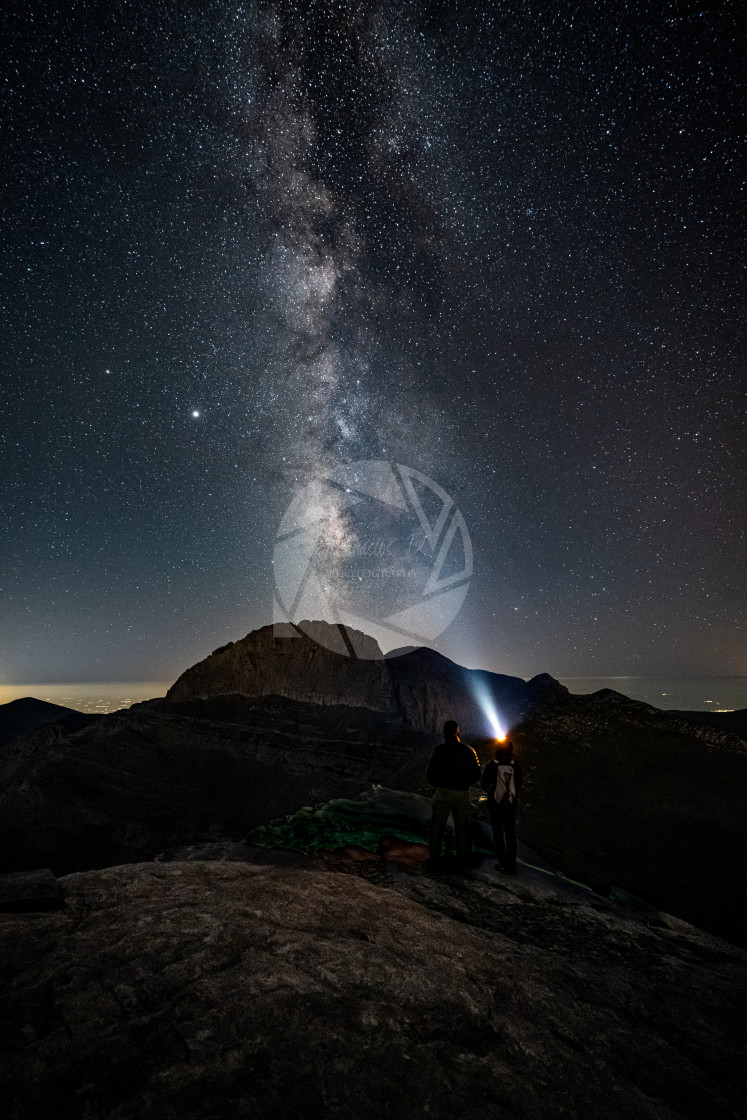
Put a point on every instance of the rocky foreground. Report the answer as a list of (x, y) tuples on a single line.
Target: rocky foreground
[(231, 989)]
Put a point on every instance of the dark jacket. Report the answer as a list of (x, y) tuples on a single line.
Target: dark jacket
[(453, 765), (490, 777)]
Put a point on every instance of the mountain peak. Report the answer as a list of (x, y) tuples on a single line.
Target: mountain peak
[(321, 663)]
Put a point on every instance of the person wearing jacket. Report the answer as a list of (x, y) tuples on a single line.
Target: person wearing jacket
[(504, 774), (453, 768)]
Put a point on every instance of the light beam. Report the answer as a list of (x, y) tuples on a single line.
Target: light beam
[(487, 703)]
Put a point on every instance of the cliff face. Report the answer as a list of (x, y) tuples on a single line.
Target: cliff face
[(429, 689), (421, 687), (295, 666)]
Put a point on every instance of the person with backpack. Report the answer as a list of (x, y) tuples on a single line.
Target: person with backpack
[(453, 768), (501, 780)]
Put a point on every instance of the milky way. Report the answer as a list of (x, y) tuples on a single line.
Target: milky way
[(498, 244)]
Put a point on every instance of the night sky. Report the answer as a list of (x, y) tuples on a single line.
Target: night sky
[(500, 244)]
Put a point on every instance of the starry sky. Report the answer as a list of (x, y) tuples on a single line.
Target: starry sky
[(500, 244)]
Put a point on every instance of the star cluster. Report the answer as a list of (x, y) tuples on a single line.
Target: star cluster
[(497, 243)]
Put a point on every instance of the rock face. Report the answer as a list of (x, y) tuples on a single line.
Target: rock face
[(295, 666), (618, 792), (422, 688), (208, 990), (429, 689)]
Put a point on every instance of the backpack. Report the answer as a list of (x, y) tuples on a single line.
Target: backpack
[(505, 787)]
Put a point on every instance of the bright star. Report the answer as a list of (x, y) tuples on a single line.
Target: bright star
[(195, 414)]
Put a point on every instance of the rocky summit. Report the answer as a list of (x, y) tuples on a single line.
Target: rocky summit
[(285, 661), (356, 987)]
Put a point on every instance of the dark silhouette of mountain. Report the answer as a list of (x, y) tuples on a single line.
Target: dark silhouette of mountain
[(735, 723), (21, 716)]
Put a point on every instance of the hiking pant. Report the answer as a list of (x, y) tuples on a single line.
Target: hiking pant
[(456, 803), (503, 820)]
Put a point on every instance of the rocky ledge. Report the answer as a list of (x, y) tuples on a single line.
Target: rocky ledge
[(209, 990)]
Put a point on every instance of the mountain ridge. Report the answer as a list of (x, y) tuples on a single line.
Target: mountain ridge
[(421, 686)]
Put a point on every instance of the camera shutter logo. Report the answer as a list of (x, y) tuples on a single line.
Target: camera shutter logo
[(315, 519)]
